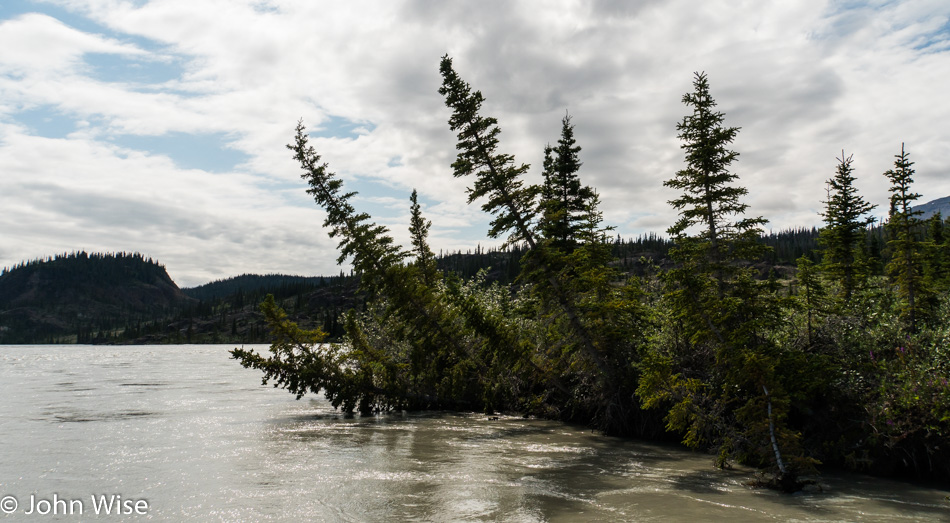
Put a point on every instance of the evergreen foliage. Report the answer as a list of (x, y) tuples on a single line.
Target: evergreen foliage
[(249, 284), (812, 298), (497, 177), (904, 228), (710, 199), (410, 337), (714, 368), (937, 254), (367, 243), (565, 204), (419, 232), (843, 237)]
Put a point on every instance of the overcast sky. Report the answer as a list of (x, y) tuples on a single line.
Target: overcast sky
[(159, 126)]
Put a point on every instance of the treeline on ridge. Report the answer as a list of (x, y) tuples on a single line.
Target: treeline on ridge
[(226, 310)]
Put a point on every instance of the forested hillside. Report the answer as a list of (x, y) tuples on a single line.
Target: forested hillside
[(250, 284), (126, 298), (840, 359), (76, 295)]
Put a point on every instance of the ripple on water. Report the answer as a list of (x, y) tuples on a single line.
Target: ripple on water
[(102, 416)]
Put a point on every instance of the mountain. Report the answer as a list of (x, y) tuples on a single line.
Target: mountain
[(941, 205), (74, 294)]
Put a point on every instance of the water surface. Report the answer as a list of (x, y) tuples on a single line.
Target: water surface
[(196, 435)]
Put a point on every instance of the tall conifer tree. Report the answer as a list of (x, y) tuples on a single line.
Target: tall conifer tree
[(710, 199), (937, 265), (843, 237), (721, 374), (903, 226), (564, 201), (419, 233)]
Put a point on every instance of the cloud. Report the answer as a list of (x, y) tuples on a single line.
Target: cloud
[(37, 43), (67, 194)]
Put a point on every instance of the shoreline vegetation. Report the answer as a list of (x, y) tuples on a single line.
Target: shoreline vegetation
[(785, 352), (846, 364)]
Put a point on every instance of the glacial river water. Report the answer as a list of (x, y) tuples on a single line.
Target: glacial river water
[(184, 433)]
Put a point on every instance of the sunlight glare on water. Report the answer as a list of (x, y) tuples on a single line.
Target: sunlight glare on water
[(195, 435)]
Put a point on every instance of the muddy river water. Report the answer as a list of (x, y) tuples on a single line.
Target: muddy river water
[(169, 433)]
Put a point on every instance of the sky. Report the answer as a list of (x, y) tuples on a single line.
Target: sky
[(160, 126)]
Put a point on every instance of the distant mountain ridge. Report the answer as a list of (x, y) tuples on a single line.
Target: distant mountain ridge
[(941, 205)]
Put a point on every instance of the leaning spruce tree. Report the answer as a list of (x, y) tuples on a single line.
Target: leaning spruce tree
[(578, 295), (498, 180), (420, 353), (497, 176)]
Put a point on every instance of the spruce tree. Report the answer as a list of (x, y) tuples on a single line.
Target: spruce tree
[(709, 198), (710, 202), (717, 369), (369, 245), (411, 348), (419, 232), (564, 201), (811, 294), (937, 260), (497, 177), (843, 237), (903, 226)]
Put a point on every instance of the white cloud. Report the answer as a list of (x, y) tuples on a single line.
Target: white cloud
[(66, 194), (37, 43)]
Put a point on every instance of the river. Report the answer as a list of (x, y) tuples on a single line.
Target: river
[(169, 433)]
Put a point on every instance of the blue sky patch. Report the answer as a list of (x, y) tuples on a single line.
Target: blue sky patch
[(122, 69), (208, 152), (46, 122), (339, 127), (13, 9), (380, 200), (936, 41)]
